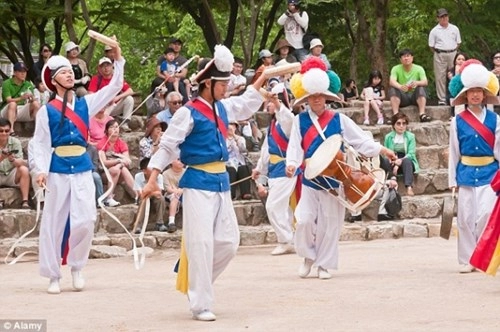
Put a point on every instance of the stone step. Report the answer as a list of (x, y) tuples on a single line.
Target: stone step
[(116, 245)]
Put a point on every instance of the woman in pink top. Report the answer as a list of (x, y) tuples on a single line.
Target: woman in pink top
[(114, 152), (97, 126)]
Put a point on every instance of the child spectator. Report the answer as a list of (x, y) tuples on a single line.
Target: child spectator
[(171, 178), (41, 94), (373, 95), (168, 68), (157, 201)]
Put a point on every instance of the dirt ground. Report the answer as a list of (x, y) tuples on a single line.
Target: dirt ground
[(383, 285)]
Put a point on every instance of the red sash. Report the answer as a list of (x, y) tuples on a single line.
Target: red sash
[(280, 141), (482, 130), (73, 117), (312, 132), (209, 114)]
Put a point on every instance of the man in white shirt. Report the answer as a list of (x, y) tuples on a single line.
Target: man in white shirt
[(444, 40), (295, 23)]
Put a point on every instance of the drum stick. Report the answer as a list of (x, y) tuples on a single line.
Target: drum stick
[(281, 70), (102, 38)]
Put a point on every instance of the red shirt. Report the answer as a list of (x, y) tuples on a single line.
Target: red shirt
[(119, 147), (94, 86)]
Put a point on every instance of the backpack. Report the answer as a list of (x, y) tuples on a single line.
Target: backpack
[(394, 203)]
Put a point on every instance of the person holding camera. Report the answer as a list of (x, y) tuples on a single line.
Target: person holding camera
[(19, 103), (13, 168), (295, 23)]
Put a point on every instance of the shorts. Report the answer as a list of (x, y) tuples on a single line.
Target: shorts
[(23, 113), (9, 180), (407, 98)]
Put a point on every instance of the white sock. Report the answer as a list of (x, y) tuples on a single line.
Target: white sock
[(171, 220)]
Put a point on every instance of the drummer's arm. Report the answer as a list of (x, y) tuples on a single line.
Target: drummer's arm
[(294, 152), (244, 106), (285, 118)]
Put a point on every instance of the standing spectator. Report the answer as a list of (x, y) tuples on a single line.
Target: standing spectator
[(474, 157), (319, 214), (236, 165), (148, 145), (19, 103), (404, 145), (284, 51), (157, 201), (373, 94), (123, 102), (316, 49), (460, 58), (266, 61), (210, 229), (82, 76), (408, 82), (13, 168), (171, 179), (237, 82), (44, 55), (174, 102), (295, 23), (97, 125), (114, 152), (444, 40)]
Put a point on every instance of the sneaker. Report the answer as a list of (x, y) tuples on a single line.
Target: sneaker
[(283, 249), (353, 219), (110, 202), (305, 268), (205, 316), (54, 287), (171, 228), (466, 268), (161, 228), (78, 281), (323, 273), (442, 103), (125, 128), (380, 121), (366, 122)]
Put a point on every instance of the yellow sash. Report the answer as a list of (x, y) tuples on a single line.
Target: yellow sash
[(213, 167), (477, 161), (274, 158), (69, 150)]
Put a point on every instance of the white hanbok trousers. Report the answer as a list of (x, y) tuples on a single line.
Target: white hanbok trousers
[(278, 208)]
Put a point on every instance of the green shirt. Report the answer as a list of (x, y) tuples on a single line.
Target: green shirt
[(12, 144), (416, 73), (12, 90)]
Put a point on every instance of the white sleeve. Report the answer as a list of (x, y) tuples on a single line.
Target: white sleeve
[(302, 20), (357, 138), (295, 153), (42, 142), (240, 108), (96, 101), (282, 19), (285, 119), (179, 128), (454, 154), (263, 162)]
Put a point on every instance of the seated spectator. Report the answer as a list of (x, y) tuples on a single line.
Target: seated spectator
[(373, 94), (18, 102), (41, 93), (495, 61), (265, 61), (39, 194), (123, 102), (459, 59), (157, 201), (316, 49), (250, 131), (284, 51), (236, 165), (114, 152), (99, 187), (174, 102), (408, 82), (403, 143), (158, 103), (109, 53), (148, 145), (171, 178), (82, 76), (97, 125), (44, 55), (237, 82), (13, 168), (350, 91)]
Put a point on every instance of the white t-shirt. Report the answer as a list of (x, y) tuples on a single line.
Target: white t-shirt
[(140, 181), (445, 39)]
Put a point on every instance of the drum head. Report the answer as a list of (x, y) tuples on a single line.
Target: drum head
[(323, 156)]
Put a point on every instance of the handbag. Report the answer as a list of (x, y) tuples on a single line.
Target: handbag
[(394, 203)]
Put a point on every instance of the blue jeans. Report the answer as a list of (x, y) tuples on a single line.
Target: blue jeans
[(99, 188)]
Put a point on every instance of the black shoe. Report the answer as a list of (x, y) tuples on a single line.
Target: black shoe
[(384, 217), (171, 228), (353, 219), (161, 228)]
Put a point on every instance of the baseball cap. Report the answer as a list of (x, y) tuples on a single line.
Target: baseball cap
[(20, 66), (174, 40), (315, 42), (104, 60), (442, 12), (107, 48), (265, 54), (294, 2)]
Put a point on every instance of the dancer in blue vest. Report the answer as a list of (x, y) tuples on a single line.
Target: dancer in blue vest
[(474, 155), (197, 133), (64, 167), (272, 163), (319, 214)]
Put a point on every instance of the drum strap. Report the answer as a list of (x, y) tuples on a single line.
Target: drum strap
[(314, 119)]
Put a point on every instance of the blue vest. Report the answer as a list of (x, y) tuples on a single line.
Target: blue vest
[(332, 128), (473, 145), (205, 144), (277, 170), (68, 134)]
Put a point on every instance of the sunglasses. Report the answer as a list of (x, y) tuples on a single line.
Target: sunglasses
[(176, 102), (401, 123), (4, 130)]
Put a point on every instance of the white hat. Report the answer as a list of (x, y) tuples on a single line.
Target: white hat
[(265, 54), (107, 48), (71, 45), (53, 66), (315, 42), (105, 60), (475, 75)]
